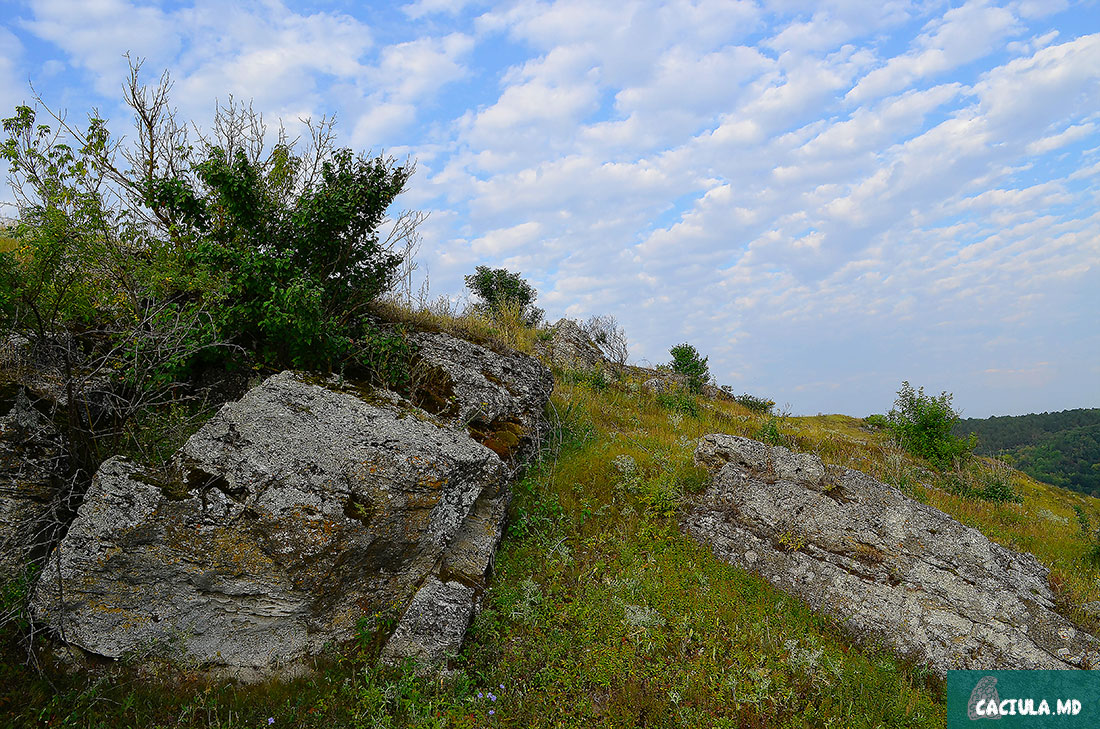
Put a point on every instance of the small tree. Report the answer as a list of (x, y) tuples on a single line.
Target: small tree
[(687, 362), (131, 263), (610, 338), (921, 424), (500, 289)]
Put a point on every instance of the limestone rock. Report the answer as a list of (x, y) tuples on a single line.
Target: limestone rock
[(299, 509), (434, 624), (499, 396), (38, 367), (570, 347), (658, 385), (32, 490), (886, 566)]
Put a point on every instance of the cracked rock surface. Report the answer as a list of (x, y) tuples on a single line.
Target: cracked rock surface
[(886, 566), (297, 511)]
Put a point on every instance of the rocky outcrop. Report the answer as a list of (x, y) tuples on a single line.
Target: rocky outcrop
[(297, 511), (570, 347), (33, 464), (499, 396), (38, 367), (886, 566)]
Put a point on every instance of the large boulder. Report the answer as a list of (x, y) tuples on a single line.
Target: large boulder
[(297, 511), (888, 567)]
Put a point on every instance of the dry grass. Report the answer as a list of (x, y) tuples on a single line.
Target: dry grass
[(506, 330)]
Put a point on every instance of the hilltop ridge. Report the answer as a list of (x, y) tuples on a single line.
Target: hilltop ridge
[(601, 611)]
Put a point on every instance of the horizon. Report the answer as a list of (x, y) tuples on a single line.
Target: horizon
[(825, 198)]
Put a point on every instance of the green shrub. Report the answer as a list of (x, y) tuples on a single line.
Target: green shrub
[(769, 433), (279, 247), (499, 288), (921, 424), (679, 401), (877, 421), (594, 379), (755, 404), (687, 362), (980, 480), (1091, 537), (387, 355)]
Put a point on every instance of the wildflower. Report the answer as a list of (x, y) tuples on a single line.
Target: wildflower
[(625, 465), (491, 712), (270, 720), (492, 697), (480, 695)]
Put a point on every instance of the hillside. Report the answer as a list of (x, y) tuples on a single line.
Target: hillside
[(1060, 448), (245, 481), (601, 612)]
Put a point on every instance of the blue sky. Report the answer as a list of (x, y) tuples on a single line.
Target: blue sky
[(827, 198)]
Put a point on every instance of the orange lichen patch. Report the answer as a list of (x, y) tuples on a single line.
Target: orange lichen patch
[(503, 437), (226, 549), (430, 483)]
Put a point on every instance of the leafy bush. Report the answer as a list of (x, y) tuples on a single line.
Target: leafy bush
[(687, 362), (679, 401), (921, 424), (140, 263), (755, 404), (499, 288), (769, 433), (595, 378), (993, 482), (877, 421), (1091, 536)]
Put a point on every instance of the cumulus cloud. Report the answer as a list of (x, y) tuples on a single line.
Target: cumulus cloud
[(827, 197), (962, 35)]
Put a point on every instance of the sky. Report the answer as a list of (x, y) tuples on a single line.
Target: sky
[(825, 198)]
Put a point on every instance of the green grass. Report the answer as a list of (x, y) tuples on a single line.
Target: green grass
[(601, 613)]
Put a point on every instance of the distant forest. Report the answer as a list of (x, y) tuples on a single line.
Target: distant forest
[(1059, 448)]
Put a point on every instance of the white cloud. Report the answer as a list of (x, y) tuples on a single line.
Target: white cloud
[(506, 240), (1061, 139), (95, 37), (963, 35), (820, 194)]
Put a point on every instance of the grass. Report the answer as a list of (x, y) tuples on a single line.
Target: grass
[(601, 613), (507, 330)]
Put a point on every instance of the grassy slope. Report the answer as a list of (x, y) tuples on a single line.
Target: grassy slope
[(601, 613)]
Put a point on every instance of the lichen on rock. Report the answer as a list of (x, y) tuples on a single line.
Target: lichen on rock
[(296, 511), (889, 568)]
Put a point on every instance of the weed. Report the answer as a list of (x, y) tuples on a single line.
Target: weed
[(769, 433), (679, 401)]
